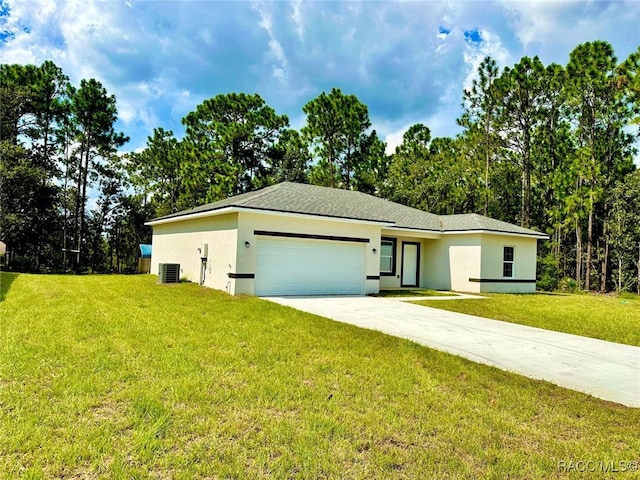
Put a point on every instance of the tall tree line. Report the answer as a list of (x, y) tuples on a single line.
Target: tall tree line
[(58, 151), (567, 133), (549, 147)]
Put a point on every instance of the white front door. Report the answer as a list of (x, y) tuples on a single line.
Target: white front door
[(410, 261), (292, 266)]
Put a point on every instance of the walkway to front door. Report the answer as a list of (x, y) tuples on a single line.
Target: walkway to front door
[(606, 370)]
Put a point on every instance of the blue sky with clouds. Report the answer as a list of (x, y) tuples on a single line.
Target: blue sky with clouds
[(408, 61)]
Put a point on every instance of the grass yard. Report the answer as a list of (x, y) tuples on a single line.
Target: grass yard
[(598, 316), (118, 377)]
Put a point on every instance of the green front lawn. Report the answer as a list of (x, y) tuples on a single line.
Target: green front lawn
[(598, 316), (118, 377)]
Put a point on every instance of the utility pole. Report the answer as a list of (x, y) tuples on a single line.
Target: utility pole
[(639, 269)]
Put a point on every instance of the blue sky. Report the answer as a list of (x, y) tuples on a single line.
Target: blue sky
[(407, 61)]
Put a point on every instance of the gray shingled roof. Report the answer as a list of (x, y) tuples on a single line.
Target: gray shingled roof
[(331, 202), (473, 221)]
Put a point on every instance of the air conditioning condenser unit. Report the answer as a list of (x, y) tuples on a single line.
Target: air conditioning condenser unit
[(169, 273)]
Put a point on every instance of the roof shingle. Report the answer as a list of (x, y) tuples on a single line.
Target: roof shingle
[(331, 202)]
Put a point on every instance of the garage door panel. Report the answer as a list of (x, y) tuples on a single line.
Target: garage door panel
[(308, 267)]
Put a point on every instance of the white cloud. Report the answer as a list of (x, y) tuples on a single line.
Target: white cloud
[(280, 62), (298, 19), (536, 20), (474, 54), (23, 23), (408, 61), (394, 139), (441, 124), (552, 29)]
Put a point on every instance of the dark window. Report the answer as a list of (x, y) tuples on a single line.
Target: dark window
[(507, 262), (388, 256)]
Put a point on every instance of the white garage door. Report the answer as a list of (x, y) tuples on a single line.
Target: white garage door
[(309, 267)]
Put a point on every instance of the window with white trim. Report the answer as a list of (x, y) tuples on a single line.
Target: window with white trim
[(507, 262), (388, 256)]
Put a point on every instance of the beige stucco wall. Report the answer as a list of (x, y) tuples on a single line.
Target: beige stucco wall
[(464, 258), (249, 222), (178, 242), (446, 263), (436, 272), (524, 265), (450, 262)]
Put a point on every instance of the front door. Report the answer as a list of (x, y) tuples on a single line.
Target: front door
[(410, 264)]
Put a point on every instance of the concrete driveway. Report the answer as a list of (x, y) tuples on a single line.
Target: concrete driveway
[(606, 370)]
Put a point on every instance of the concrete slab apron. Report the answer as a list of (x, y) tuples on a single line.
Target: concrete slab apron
[(606, 370)]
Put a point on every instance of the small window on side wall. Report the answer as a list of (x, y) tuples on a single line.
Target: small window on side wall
[(388, 256), (507, 262)]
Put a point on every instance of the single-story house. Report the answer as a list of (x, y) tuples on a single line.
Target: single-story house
[(295, 239)]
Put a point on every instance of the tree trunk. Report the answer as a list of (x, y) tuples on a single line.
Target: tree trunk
[(605, 267), (83, 201), (619, 274), (587, 273), (486, 175), (578, 255), (332, 165), (76, 220), (110, 255), (556, 247), (65, 197), (525, 214)]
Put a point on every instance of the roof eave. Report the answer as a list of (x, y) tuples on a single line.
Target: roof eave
[(538, 235), (421, 232), (316, 216), (265, 211), (190, 216)]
